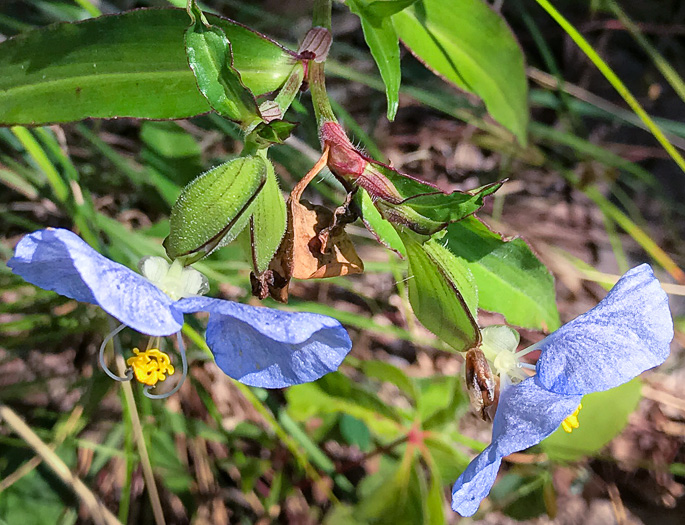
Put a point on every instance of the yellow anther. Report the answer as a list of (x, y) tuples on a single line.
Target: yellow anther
[(571, 422), (150, 366)]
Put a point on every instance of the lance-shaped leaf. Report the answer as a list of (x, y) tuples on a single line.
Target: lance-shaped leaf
[(211, 58), (442, 292), (382, 40), (213, 209), (401, 199), (128, 65), (469, 44)]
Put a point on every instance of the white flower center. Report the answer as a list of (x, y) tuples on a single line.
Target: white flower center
[(499, 347), (173, 279)]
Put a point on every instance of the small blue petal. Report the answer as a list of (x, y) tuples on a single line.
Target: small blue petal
[(527, 413), (475, 483), (270, 348), (58, 260), (628, 332)]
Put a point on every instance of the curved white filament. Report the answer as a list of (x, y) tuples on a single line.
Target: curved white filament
[(103, 365)]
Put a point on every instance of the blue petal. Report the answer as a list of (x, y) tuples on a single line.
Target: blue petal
[(527, 413), (475, 483), (270, 348), (58, 260), (628, 332)]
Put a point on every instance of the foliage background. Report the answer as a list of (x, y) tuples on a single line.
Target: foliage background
[(593, 194)]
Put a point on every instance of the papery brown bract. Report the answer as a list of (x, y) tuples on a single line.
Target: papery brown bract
[(315, 245)]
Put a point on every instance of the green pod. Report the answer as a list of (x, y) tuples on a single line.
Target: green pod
[(213, 209)]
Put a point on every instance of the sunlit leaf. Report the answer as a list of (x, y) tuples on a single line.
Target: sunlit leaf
[(469, 44), (381, 38), (68, 72), (603, 417), (511, 279)]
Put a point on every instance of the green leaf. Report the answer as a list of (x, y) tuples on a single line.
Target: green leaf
[(521, 497), (336, 394), (268, 221), (437, 394), (376, 224), (386, 372), (170, 140), (510, 278), (166, 461), (381, 8), (355, 432), (213, 209), (603, 417), (68, 72), (381, 38), (170, 155), (38, 496), (442, 292), (342, 515), (398, 499), (274, 132), (469, 44), (435, 502), (211, 58), (448, 460)]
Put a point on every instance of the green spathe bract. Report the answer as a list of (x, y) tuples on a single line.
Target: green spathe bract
[(442, 292), (267, 223), (213, 209)]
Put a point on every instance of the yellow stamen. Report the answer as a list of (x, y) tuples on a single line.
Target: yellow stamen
[(150, 366), (571, 422)]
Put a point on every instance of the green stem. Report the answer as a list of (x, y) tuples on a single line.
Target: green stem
[(139, 438), (613, 79), (317, 86), (317, 80), (290, 89), (321, 16)]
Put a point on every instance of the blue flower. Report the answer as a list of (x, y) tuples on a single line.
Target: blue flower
[(257, 346), (628, 332)]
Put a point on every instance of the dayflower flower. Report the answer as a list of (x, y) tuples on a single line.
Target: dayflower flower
[(254, 345), (628, 332)]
